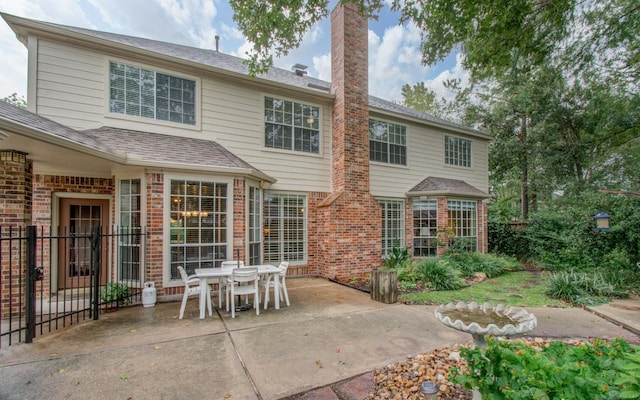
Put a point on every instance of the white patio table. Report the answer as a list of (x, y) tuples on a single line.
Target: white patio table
[(205, 273)]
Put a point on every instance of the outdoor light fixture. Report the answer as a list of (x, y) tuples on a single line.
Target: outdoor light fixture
[(310, 120), (602, 222), (429, 390)]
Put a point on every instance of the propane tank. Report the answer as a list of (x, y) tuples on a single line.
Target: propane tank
[(149, 294)]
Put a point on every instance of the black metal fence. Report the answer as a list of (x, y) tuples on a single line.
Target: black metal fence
[(52, 280)]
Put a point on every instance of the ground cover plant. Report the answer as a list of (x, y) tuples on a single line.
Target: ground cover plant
[(519, 370)]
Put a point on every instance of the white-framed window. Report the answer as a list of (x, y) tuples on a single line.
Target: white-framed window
[(130, 265), (463, 222), (290, 125), (146, 93), (425, 228), (255, 225), (285, 227), (199, 219), (457, 151), (392, 224), (387, 142)]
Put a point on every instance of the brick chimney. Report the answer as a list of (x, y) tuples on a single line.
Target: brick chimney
[(351, 241)]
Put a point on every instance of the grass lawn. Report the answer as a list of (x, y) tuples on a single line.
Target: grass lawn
[(518, 289)]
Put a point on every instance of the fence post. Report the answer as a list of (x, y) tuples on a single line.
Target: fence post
[(96, 243), (30, 277)]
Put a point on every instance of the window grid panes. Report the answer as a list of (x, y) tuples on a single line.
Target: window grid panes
[(392, 225), (291, 126), (198, 222), (285, 228), (150, 94), (387, 142), (463, 223), (129, 252), (425, 228), (255, 225), (457, 151)]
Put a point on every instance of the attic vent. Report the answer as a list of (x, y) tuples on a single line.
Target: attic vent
[(299, 69)]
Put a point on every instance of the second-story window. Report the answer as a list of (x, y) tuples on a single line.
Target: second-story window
[(457, 151), (150, 94), (387, 142), (291, 126)]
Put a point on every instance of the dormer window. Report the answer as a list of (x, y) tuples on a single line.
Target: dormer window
[(145, 93)]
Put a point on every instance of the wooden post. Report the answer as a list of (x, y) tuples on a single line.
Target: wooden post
[(384, 285)]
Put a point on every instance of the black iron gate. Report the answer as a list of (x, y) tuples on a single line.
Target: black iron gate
[(33, 263)]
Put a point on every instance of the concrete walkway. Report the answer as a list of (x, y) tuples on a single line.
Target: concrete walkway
[(331, 333)]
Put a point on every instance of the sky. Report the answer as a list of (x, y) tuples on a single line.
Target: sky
[(394, 53)]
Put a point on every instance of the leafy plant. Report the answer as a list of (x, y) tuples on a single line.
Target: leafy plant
[(516, 370), (440, 274), (397, 257), (629, 375), (580, 288), (114, 291)]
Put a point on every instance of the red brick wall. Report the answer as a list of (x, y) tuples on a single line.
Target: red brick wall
[(16, 204), (239, 220)]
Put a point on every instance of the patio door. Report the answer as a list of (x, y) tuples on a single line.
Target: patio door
[(77, 218)]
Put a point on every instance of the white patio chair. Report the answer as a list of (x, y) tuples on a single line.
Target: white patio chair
[(268, 284), (243, 282), (192, 288), (222, 282)]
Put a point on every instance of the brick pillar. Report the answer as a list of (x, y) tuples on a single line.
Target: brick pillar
[(239, 220), (443, 225), (15, 214), (155, 231), (350, 216)]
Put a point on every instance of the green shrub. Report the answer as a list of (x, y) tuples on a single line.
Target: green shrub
[(410, 274), (491, 265), (516, 370), (505, 240), (440, 274), (582, 288), (398, 257)]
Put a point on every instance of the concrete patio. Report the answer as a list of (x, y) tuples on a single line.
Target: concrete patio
[(329, 334)]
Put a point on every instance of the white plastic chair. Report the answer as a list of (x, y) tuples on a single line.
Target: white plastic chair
[(222, 282), (192, 288), (240, 285), (268, 283)]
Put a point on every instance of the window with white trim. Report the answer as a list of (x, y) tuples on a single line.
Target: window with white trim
[(129, 244), (425, 228), (387, 142), (198, 225), (463, 222), (145, 93), (285, 227), (392, 225), (290, 125), (457, 151)]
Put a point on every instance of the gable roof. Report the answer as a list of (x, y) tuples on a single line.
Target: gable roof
[(433, 186), (222, 63), (127, 147)]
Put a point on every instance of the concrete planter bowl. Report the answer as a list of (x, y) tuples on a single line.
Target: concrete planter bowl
[(479, 320)]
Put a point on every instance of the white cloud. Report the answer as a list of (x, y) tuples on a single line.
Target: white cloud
[(322, 66), (457, 72)]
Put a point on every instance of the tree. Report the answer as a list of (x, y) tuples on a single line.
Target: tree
[(15, 100)]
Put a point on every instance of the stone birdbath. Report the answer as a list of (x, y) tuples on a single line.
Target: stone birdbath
[(486, 319)]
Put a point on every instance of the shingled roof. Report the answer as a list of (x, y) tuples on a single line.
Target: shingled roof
[(433, 186), (127, 147)]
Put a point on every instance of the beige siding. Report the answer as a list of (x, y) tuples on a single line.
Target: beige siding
[(72, 89), (425, 157), (70, 85), (234, 116)]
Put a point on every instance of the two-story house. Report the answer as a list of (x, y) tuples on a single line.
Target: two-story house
[(212, 164)]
